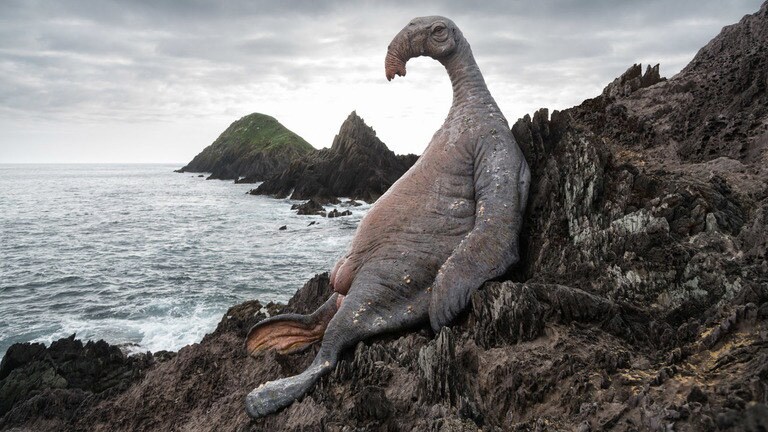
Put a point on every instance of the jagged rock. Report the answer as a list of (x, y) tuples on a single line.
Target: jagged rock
[(633, 79), (714, 111), (251, 149), (310, 207), (62, 377), (283, 228), (631, 218), (437, 371), (336, 213), (358, 165)]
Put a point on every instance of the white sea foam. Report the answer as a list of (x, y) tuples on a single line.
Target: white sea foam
[(153, 334)]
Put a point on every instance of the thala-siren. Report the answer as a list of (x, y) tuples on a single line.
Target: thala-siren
[(447, 225)]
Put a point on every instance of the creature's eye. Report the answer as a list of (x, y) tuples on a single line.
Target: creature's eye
[(439, 33)]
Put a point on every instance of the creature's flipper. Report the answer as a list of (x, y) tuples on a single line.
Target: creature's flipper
[(501, 191), (275, 395), (291, 333), (448, 301)]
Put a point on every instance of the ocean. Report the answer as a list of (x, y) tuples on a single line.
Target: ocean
[(144, 257)]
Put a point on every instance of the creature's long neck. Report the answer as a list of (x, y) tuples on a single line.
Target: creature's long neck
[(470, 94)]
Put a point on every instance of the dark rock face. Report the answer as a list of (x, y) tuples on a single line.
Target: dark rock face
[(255, 147), (640, 303), (714, 108), (631, 80), (358, 165), (654, 237), (39, 384), (310, 207), (335, 213)]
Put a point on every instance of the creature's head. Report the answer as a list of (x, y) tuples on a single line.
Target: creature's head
[(433, 36)]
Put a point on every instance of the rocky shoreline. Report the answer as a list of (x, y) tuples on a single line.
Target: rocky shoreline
[(640, 302), (527, 356)]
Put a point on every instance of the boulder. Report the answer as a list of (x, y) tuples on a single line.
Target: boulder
[(311, 207), (336, 213)]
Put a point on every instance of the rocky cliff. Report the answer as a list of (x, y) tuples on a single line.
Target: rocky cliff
[(640, 303), (255, 147), (358, 165)]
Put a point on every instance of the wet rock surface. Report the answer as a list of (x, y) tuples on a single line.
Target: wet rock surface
[(311, 207), (358, 166), (336, 213), (640, 303)]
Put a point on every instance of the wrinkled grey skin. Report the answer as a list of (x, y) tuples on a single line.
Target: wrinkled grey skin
[(446, 226)]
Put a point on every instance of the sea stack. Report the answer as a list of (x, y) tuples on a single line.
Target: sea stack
[(358, 166)]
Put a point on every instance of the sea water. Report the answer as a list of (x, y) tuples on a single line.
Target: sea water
[(144, 257)]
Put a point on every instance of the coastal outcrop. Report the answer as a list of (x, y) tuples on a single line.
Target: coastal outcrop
[(311, 207), (358, 166), (251, 149), (640, 302), (40, 386)]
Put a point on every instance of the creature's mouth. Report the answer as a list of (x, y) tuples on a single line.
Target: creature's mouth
[(393, 65)]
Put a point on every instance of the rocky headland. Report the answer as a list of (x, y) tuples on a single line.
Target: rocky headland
[(640, 302), (358, 166), (253, 148)]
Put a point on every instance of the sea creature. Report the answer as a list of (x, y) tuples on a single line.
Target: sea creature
[(446, 226)]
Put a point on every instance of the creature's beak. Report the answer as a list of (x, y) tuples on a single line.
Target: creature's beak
[(393, 65), (398, 53)]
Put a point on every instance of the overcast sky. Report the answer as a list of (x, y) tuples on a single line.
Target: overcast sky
[(158, 80)]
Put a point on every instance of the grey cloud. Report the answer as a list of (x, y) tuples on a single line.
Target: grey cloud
[(165, 58)]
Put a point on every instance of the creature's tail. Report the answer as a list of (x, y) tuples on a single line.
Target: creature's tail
[(291, 333), (356, 320)]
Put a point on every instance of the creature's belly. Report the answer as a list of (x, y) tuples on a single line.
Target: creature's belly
[(413, 229)]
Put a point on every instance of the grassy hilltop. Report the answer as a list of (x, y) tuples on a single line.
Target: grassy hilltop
[(256, 146)]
